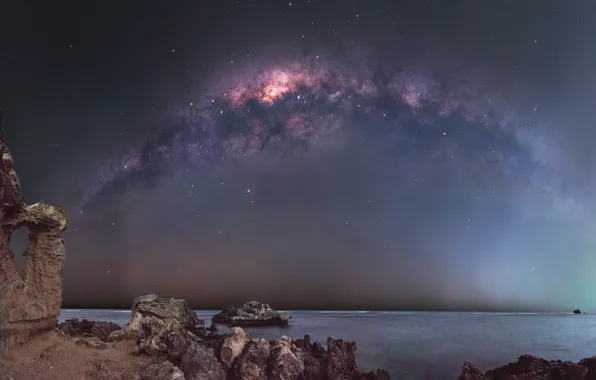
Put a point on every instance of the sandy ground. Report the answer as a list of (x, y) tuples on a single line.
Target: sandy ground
[(52, 356)]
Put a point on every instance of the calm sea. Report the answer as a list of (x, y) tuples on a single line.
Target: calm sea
[(426, 346)]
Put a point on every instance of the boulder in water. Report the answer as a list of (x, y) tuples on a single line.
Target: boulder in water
[(252, 313)]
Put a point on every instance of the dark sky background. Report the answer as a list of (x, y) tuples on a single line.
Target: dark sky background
[(311, 154)]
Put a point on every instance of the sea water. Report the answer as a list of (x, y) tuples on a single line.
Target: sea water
[(425, 345)]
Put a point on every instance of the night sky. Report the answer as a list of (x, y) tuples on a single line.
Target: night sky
[(311, 154)]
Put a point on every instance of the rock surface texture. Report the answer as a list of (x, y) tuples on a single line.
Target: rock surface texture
[(150, 313), (529, 367), (88, 329), (29, 301), (252, 313)]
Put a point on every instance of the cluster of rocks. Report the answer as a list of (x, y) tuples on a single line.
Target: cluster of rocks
[(92, 334), (168, 329), (252, 313), (529, 367)]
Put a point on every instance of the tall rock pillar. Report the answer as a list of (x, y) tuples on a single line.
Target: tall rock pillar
[(29, 302)]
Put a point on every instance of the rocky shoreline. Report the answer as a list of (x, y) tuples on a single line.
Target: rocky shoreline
[(168, 331)]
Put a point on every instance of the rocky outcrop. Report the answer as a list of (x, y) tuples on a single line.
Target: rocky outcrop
[(150, 314), (170, 333), (252, 364), (470, 372), (252, 313), (171, 342), (286, 361), (87, 329), (529, 367), (199, 363), (233, 345), (29, 302)]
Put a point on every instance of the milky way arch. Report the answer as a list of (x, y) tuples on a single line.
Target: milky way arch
[(290, 107)]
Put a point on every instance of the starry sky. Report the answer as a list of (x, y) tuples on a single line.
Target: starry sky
[(427, 155)]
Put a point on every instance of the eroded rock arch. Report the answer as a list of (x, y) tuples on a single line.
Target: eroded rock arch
[(31, 302)]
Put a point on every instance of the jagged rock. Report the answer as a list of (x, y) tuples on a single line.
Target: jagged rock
[(470, 372), (212, 328), (590, 364), (163, 371), (252, 313), (171, 341), (86, 328), (31, 302), (315, 362), (215, 342), (341, 359), (199, 363), (92, 342), (233, 345), (150, 313), (252, 364), (285, 363), (529, 367)]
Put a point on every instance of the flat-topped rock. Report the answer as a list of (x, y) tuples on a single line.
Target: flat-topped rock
[(252, 313)]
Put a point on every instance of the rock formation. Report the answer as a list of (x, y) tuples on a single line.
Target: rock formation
[(30, 302), (252, 313), (166, 329), (529, 367), (150, 313), (577, 311), (88, 329)]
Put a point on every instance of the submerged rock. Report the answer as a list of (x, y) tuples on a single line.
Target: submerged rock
[(29, 302), (252, 313)]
